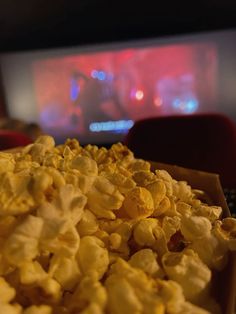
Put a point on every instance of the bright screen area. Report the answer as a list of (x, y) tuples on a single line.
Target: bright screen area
[(96, 96)]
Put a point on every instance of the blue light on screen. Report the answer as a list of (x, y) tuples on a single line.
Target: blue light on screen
[(186, 106), (74, 90), (108, 126)]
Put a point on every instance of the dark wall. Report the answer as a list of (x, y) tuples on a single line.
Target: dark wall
[(33, 24)]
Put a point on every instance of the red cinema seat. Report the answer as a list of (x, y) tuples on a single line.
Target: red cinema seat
[(201, 141), (11, 139)]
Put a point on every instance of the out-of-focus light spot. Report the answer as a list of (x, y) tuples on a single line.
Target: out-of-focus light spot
[(101, 75), (74, 90), (191, 106), (108, 126), (94, 73), (139, 94), (186, 106), (158, 101), (176, 103)]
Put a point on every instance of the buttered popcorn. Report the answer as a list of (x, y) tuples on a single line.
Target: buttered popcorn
[(93, 230)]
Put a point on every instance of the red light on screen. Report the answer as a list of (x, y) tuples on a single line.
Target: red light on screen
[(158, 101), (139, 94)]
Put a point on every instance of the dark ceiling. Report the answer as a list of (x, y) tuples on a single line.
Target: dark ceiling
[(26, 25)]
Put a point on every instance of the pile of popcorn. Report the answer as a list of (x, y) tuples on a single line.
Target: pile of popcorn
[(93, 230)]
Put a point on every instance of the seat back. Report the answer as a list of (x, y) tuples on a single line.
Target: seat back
[(200, 141), (11, 139)]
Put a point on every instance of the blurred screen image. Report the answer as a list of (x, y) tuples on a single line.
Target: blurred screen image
[(99, 95)]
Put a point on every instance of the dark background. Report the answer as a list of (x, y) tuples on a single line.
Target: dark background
[(34, 24)]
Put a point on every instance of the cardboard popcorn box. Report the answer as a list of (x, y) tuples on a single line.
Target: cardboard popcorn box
[(225, 281)]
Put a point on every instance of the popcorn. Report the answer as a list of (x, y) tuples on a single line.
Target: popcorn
[(41, 309), (7, 293), (7, 162), (15, 197), (125, 291), (90, 294), (226, 232), (93, 230), (104, 198), (23, 243), (92, 256), (31, 273), (172, 295), (138, 203), (148, 233), (88, 223), (170, 226), (190, 272), (195, 227), (146, 260), (65, 270), (10, 308)]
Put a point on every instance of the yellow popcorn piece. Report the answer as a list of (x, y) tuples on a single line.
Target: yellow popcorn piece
[(85, 166), (183, 208), (182, 191), (52, 160), (144, 232), (158, 191), (172, 295), (92, 309), (140, 165), (163, 207), (90, 294), (88, 223), (143, 178), (15, 197), (7, 293), (38, 309), (23, 243), (100, 155), (125, 291), (67, 204), (31, 273), (122, 182), (104, 198), (146, 260), (46, 140), (148, 233), (39, 148), (213, 253), (10, 308), (163, 175), (188, 270), (170, 226), (122, 297), (83, 170), (225, 230), (52, 290), (138, 203), (64, 241), (210, 212), (65, 270), (119, 152), (7, 162), (25, 167), (195, 227), (115, 240), (92, 256)]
